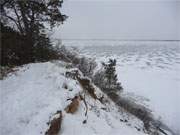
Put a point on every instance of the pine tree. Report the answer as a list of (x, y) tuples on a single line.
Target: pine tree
[(30, 19), (111, 76)]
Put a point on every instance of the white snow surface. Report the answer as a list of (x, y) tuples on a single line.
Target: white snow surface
[(148, 70), (33, 94)]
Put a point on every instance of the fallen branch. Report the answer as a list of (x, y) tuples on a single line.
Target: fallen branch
[(84, 100)]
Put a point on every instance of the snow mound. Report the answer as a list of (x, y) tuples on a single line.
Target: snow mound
[(32, 96)]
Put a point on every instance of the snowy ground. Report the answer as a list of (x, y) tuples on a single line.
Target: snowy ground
[(149, 71), (30, 96)]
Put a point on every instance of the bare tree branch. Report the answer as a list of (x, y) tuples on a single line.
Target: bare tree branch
[(12, 19), (18, 20)]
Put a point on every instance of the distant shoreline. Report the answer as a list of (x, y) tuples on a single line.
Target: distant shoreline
[(148, 40)]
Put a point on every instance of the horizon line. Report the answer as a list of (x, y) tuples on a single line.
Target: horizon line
[(170, 40)]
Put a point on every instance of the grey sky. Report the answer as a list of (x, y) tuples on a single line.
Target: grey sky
[(131, 19)]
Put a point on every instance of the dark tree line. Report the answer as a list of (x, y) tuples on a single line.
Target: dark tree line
[(23, 26)]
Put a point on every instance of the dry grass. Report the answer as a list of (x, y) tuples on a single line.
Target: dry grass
[(86, 85), (74, 105), (55, 125)]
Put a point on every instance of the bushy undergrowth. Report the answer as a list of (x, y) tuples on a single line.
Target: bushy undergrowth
[(105, 78), (87, 66), (84, 64)]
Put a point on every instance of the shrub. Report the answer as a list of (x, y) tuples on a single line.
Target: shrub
[(68, 55), (99, 79), (87, 66), (106, 78)]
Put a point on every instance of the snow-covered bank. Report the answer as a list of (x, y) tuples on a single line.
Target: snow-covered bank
[(148, 71), (35, 92)]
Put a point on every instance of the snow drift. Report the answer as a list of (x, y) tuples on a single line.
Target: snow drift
[(33, 94)]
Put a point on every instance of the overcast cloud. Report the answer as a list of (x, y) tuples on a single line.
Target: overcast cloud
[(131, 19)]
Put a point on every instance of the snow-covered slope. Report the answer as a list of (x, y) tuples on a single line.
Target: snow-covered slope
[(35, 92)]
